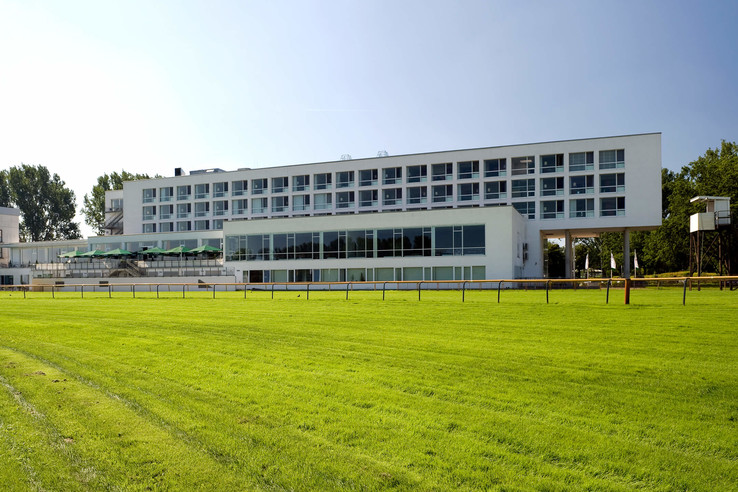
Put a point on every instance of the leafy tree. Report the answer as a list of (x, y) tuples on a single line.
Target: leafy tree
[(4, 189), (94, 202), (46, 205)]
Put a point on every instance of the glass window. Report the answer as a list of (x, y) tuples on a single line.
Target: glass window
[(149, 212), (553, 209), (323, 201), (202, 190), (280, 184), (259, 205), (345, 199), (149, 195), (368, 198), (202, 225), (579, 185), (220, 189), (443, 193), (116, 204), (392, 196), (552, 163), (495, 167), (612, 206), (166, 211), (417, 174), (149, 228), (416, 241), (301, 182), (468, 169), (581, 161), (495, 190), (360, 244), (417, 194), (385, 243), (323, 181), (184, 210), (368, 177), (240, 206), (444, 243), (184, 192), (526, 209), (220, 207), (166, 227), (259, 186), (612, 183), (522, 188), (184, 225), (392, 175), (344, 179), (218, 224), (166, 194), (468, 192), (280, 204), (581, 207), (240, 187), (473, 240), (301, 202), (442, 172), (523, 165), (552, 186), (202, 209), (611, 159)]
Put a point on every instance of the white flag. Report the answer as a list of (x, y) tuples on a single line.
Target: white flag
[(635, 259), (586, 262), (612, 261)]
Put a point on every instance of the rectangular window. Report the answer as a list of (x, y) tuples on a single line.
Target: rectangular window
[(280, 204), (217, 224), (417, 241), (166, 211), (459, 240), (417, 174), (166, 227), (526, 209), (202, 225), (442, 172), (149, 195), (280, 184), (581, 161), (184, 210), (149, 212), (345, 199), (443, 193), (495, 167), (368, 198), (323, 201), (344, 179), (552, 163), (220, 189), (523, 188), (392, 196), (468, 192), (116, 204), (612, 206), (149, 228), (612, 159), (523, 165), (581, 185), (468, 169), (184, 192), (184, 225), (259, 205), (368, 177), (202, 209), (323, 181), (581, 207), (495, 190), (417, 194), (166, 194), (259, 186), (240, 187), (300, 202), (392, 175), (552, 186), (301, 182), (220, 207), (202, 191), (612, 183), (240, 206), (553, 209), (360, 244)]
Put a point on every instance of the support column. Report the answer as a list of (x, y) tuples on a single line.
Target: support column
[(567, 254), (626, 253)]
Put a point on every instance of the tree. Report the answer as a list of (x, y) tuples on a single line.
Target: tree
[(94, 202), (46, 205), (4, 189)]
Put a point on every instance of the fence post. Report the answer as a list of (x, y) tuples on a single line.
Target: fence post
[(684, 296), (499, 287), (347, 289), (463, 291), (384, 286), (548, 284), (24, 292), (157, 291), (307, 296), (53, 296), (419, 283), (244, 291), (133, 290), (110, 291), (82, 291), (213, 291), (607, 297), (183, 291), (272, 291)]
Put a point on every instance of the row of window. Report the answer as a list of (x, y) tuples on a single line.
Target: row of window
[(578, 207), (362, 243), (493, 190), (553, 163), (183, 226), (387, 274)]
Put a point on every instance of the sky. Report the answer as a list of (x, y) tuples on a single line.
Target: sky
[(92, 87)]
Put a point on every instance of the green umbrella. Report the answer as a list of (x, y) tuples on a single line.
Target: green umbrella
[(153, 251), (177, 251), (205, 248), (95, 252), (71, 254), (118, 252)]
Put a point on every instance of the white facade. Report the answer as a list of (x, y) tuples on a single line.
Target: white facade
[(9, 232)]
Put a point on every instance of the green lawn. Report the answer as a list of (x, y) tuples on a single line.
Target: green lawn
[(291, 393)]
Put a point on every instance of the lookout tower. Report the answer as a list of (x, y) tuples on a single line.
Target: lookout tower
[(711, 236)]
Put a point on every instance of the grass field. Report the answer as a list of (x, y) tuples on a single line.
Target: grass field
[(290, 393)]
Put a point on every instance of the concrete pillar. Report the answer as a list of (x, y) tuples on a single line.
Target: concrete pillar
[(567, 254), (626, 253)]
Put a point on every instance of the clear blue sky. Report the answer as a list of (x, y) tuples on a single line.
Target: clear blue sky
[(89, 87)]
